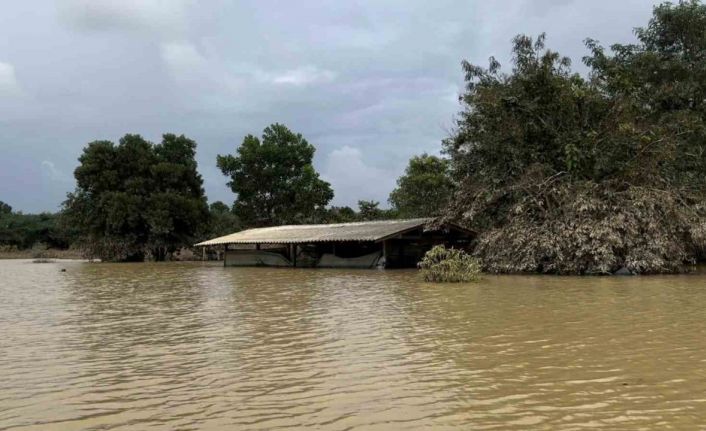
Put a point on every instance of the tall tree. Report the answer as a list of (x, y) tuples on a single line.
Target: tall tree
[(425, 188), (137, 198), (274, 179), (563, 174), (661, 83)]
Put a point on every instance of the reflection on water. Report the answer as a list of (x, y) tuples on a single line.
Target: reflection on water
[(194, 346)]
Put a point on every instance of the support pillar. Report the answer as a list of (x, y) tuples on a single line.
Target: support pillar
[(384, 252), (293, 254)]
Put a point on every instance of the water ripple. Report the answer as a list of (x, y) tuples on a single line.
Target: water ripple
[(197, 346)]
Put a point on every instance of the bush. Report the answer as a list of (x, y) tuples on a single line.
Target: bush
[(588, 228), (449, 265)]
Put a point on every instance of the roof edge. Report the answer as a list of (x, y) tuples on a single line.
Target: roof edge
[(222, 240)]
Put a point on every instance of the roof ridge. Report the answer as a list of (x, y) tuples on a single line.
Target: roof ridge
[(350, 223), (370, 230)]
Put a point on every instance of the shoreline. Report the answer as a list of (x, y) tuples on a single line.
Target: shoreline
[(44, 254)]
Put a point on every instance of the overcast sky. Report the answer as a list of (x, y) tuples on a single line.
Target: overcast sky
[(368, 83)]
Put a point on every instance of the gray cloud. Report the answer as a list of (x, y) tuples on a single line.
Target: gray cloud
[(165, 17), (368, 83), (9, 87)]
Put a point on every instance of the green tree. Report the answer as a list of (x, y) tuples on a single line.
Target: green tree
[(425, 188), (658, 86), (343, 214), (222, 220), (274, 179), (25, 230), (370, 211), (5, 208), (563, 174), (137, 198)]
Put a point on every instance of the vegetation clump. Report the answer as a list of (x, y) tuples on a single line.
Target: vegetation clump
[(560, 173), (449, 265)]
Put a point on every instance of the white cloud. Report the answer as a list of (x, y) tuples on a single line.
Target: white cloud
[(188, 67), (162, 16), (50, 171), (352, 179), (8, 81), (183, 57), (302, 76)]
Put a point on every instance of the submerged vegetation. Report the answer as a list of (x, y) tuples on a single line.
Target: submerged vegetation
[(449, 265), (564, 174)]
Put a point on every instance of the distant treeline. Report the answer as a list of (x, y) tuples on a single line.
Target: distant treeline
[(555, 172), (23, 231), (136, 199)]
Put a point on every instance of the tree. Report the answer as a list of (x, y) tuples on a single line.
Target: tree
[(425, 188), (222, 221), (5, 208), (26, 230), (137, 198), (563, 174), (370, 211), (274, 179), (659, 83), (343, 214)]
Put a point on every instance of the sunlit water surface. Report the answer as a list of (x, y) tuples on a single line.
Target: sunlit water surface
[(197, 346)]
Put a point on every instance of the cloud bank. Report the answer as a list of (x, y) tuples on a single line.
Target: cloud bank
[(368, 83)]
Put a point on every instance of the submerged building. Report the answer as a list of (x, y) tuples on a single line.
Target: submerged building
[(386, 244)]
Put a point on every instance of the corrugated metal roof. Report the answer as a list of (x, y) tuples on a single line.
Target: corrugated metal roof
[(310, 233)]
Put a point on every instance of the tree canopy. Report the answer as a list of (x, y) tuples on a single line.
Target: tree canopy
[(370, 211), (425, 188), (222, 221), (5, 208), (561, 173), (27, 230), (137, 198), (274, 179)]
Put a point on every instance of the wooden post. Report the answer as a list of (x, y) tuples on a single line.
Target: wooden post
[(203, 253), (384, 252), (257, 246), (293, 254)]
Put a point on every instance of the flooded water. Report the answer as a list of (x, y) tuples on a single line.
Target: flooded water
[(195, 346)]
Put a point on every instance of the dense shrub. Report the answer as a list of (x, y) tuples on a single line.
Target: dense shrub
[(441, 264), (594, 229)]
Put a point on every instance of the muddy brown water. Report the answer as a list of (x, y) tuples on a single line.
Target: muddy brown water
[(198, 346)]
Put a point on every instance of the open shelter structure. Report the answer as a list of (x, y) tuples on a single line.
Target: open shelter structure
[(370, 244)]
